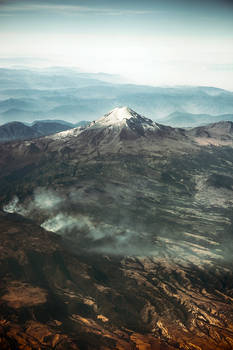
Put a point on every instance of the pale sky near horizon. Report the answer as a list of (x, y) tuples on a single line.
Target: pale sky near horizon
[(159, 42)]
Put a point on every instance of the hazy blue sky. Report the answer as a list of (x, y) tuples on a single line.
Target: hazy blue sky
[(163, 42)]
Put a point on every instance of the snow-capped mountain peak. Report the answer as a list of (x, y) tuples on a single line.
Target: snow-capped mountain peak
[(123, 116), (117, 116), (120, 118)]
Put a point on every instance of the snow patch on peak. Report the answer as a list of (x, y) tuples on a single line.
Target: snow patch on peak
[(66, 133), (118, 116), (121, 113)]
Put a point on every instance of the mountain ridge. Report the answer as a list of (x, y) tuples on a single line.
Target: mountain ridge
[(14, 131), (183, 119)]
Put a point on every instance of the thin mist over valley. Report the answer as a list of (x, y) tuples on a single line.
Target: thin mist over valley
[(28, 95)]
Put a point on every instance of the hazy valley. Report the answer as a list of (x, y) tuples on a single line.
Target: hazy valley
[(62, 93)]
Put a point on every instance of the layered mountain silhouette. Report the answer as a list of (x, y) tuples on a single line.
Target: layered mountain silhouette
[(118, 235), (68, 94), (182, 119)]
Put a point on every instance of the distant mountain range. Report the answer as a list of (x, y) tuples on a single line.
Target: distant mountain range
[(19, 131), (27, 95), (25, 131), (181, 119)]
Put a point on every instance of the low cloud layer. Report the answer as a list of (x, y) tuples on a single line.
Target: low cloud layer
[(53, 211), (63, 213), (42, 200)]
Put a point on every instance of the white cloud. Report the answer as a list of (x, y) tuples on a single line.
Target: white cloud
[(155, 60), (71, 10)]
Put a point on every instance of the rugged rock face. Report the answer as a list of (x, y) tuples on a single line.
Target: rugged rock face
[(140, 256)]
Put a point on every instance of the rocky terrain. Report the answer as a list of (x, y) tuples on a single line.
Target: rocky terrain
[(118, 235)]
